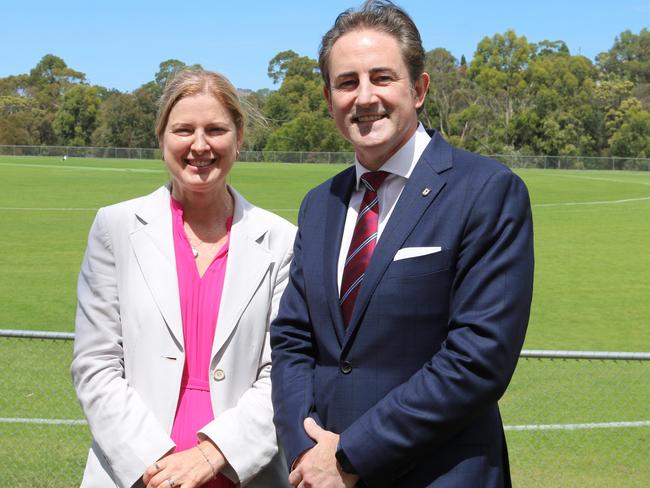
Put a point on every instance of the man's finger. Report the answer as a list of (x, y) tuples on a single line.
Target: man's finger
[(295, 477), (312, 428)]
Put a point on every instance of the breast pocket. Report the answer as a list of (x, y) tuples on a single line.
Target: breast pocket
[(420, 265)]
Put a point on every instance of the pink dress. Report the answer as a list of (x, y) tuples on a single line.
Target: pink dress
[(200, 298)]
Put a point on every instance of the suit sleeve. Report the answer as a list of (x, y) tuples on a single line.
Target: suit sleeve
[(245, 433), (127, 433), (488, 316), (293, 358)]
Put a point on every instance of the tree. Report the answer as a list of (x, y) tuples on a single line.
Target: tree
[(299, 119), (168, 69), (629, 57), (288, 63), (307, 132), (21, 127), (296, 95), (146, 98), (548, 48), (50, 79), (449, 92), (297, 113), (257, 127), (76, 119), (122, 123), (20, 116), (498, 69), (632, 138), (561, 115)]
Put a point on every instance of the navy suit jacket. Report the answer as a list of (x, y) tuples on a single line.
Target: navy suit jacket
[(412, 384)]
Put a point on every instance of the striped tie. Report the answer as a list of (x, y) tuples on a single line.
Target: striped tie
[(363, 243)]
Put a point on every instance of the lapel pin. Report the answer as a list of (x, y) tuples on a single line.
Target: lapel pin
[(426, 191)]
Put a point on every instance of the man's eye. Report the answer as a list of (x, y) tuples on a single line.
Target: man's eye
[(346, 84), (383, 79)]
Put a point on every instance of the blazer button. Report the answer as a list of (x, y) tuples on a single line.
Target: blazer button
[(219, 374), (346, 367)]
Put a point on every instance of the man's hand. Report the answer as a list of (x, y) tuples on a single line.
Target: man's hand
[(317, 467)]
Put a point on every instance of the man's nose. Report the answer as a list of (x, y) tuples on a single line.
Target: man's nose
[(366, 93)]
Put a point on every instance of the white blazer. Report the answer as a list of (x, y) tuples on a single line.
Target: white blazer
[(129, 354)]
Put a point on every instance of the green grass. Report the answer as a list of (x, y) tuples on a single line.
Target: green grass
[(591, 293)]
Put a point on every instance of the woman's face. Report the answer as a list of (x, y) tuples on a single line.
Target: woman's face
[(199, 144)]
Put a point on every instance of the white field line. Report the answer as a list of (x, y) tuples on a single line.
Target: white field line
[(136, 170), (42, 421), (50, 209), (538, 205), (594, 178), (82, 209), (84, 168), (601, 202), (601, 425)]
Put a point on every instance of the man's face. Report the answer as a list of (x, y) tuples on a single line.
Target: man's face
[(371, 97)]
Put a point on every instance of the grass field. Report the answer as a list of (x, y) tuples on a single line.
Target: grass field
[(592, 283)]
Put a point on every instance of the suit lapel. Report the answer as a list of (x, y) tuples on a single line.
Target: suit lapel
[(422, 188), (337, 205), (153, 247), (248, 262)]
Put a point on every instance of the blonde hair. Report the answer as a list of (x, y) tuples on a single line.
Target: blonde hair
[(190, 82)]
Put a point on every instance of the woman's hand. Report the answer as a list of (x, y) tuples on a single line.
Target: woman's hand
[(186, 469)]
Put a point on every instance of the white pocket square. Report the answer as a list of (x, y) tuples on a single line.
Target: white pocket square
[(414, 252)]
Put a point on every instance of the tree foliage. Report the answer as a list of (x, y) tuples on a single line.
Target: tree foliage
[(512, 96), (629, 57), (289, 63), (76, 119)]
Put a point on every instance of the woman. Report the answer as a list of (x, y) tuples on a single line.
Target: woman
[(175, 296)]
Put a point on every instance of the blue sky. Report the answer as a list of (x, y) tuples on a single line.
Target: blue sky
[(119, 44)]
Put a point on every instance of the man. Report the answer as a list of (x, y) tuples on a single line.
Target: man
[(410, 289)]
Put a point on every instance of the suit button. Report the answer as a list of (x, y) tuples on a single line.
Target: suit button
[(219, 374), (346, 367)]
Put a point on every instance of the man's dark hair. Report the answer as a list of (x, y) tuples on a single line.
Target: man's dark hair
[(383, 16)]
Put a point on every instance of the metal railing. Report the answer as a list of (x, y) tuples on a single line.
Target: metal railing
[(563, 412), (525, 353)]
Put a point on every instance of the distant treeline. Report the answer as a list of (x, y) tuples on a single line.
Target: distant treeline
[(512, 97)]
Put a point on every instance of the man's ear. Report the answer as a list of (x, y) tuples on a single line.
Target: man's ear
[(328, 97), (420, 89)]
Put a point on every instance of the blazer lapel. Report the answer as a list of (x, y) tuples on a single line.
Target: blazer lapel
[(248, 262), (153, 246), (337, 205), (424, 185)]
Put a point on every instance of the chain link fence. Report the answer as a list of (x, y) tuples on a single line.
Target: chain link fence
[(578, 422), (43, 438), (574, 162), (515, 161)]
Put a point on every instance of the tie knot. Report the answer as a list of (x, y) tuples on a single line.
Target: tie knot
[(374, 179)]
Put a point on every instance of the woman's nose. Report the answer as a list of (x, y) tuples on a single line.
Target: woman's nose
[(200, 143)]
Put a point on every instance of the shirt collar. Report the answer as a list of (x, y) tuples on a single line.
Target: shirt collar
[(404, 160)]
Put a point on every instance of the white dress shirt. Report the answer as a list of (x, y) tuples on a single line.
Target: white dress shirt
[(400, 166)]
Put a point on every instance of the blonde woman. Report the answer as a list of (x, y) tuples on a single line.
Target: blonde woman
[(175, 296)]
